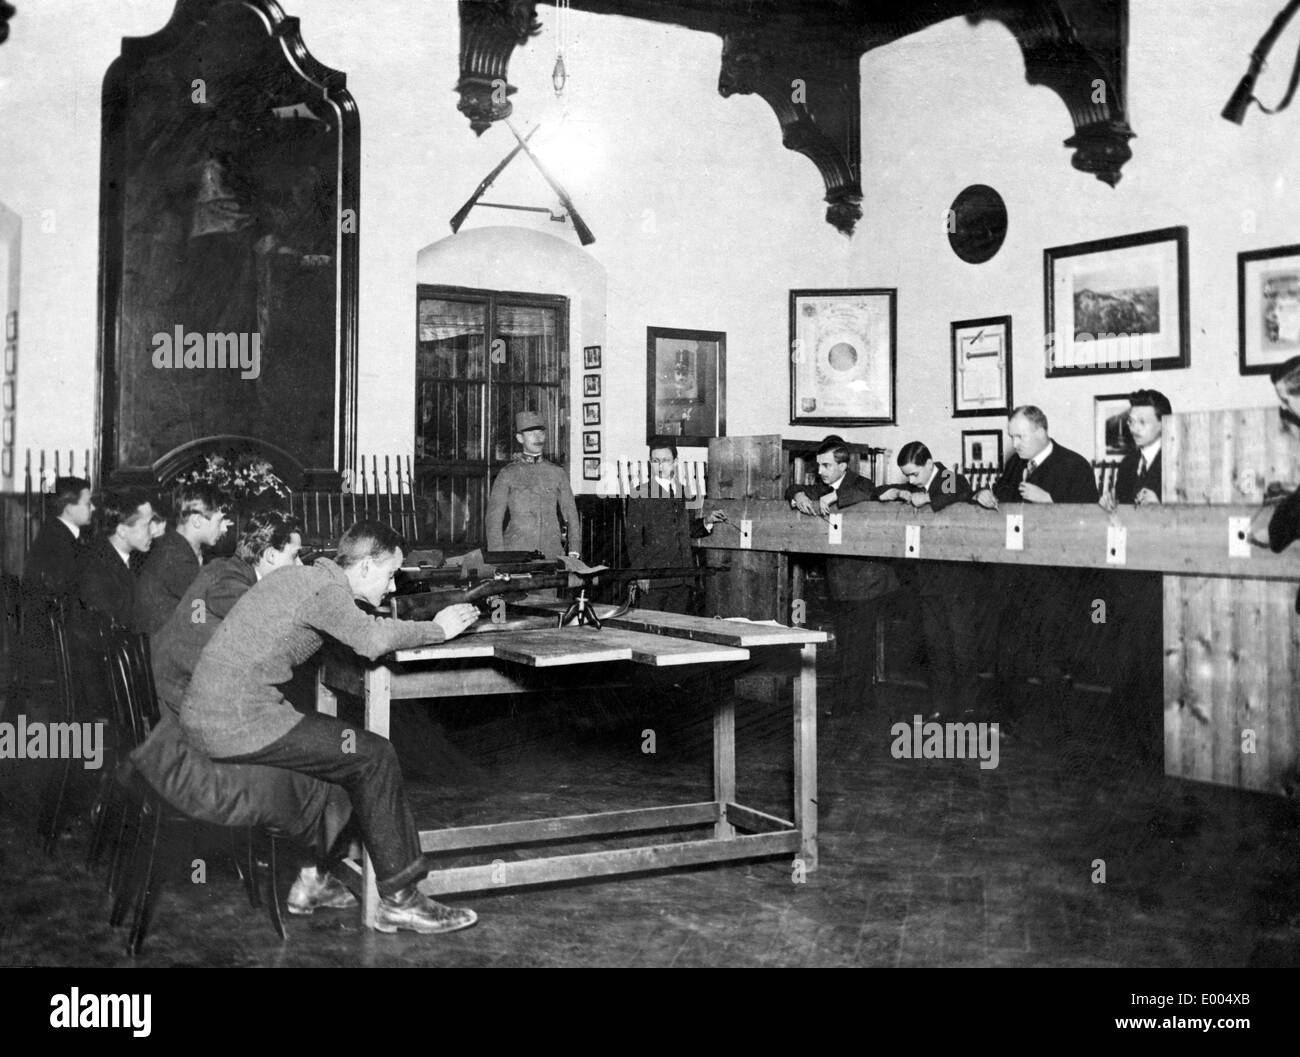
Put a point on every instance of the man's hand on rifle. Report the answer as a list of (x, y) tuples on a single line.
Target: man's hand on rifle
[(455, 619)]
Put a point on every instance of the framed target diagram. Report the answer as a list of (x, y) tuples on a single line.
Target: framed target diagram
[(843, 357)]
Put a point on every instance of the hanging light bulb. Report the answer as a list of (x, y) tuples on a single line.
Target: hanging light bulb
[(559, 75)]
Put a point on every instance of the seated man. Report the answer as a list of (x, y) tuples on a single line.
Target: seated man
[(51, 576), (234, 712), (856, 586), (107, 584), (530, 496), (948, 590), (1138, 479), (174, 562), (270, 541), (1041, 470), (659, 530)]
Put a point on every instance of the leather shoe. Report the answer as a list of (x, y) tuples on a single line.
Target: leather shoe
[(412, 910), (325, 891)]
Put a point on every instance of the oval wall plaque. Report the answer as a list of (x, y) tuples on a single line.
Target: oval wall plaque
[(977, 224)]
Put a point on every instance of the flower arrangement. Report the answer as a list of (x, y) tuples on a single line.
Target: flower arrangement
[(240, 477)]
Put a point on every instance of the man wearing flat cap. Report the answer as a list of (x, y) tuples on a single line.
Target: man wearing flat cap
[(531, 497)]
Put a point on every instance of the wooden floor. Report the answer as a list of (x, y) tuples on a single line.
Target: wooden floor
[(924, 863)]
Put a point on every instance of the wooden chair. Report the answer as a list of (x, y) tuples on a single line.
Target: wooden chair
[(50, 821), (156, 826)]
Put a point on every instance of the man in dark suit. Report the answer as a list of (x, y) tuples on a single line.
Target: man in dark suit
[(1041, 470), (50, 577), (857, 587), (107, 583), (659, 530), (948, 591), (1138, 479), (176, 558)]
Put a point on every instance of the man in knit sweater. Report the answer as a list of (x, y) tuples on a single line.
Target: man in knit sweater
[(234, 711), (530, 496)]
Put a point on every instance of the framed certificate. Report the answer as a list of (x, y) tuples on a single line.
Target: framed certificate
[(981, 367)]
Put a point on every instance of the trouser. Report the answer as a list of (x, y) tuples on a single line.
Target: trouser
[(854, 622), (366, 766), (948, 619)]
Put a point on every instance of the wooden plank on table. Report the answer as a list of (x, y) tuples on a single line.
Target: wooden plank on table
[(664, 650), (567, 827), (460, 647), (706, 629), (510, 874), (559, 646)]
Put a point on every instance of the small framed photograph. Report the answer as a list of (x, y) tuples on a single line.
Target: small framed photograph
[(591, 469), (1111, 438), (981, 367), (591, 385), (7, 438), (686, 385), (11, 326), (591, 357), (981, 447), (591, 442), (11, 359), (843, 357), (1117, 305), (8, 401), (1268, 308), (591, 414)]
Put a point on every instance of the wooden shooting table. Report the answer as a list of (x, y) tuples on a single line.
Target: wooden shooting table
[(523, 661)]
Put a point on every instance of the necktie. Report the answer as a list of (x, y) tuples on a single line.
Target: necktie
[(1029, 469), (1142, 467)]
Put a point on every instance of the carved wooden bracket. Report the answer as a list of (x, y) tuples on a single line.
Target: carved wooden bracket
[(802, 58), (489, 33)]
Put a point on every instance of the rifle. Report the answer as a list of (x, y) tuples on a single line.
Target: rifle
[(584, 233), (425, 604), (463, 211)]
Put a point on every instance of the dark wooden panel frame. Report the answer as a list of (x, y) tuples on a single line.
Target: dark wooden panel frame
[(328, 87)]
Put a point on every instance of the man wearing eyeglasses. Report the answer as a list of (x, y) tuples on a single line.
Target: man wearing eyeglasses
[(177, 557), (1138, 479)]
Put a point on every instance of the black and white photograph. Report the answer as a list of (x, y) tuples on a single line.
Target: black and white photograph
[(357, 611)]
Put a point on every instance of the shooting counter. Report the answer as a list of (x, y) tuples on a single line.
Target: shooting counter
[(1231, 636)]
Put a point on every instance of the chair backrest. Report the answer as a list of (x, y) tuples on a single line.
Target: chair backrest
[(130, 680), (57, 614)]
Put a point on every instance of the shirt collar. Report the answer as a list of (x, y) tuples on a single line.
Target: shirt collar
[(1151, 451), (836, 486), (933, 474), (76, 532), (1040, 458), (124, 555), (666, 483)]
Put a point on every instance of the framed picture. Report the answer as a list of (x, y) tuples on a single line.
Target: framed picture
[(7, 436), (1268, 308), (591, 414), (591, 385), (1111, 438), (591, 442), (11, 359), (981, 367), (591, 356), (686, 380), (7, 401), (843, 357), (591, 469), (11, 326), (981, 447), (1117, 304)]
